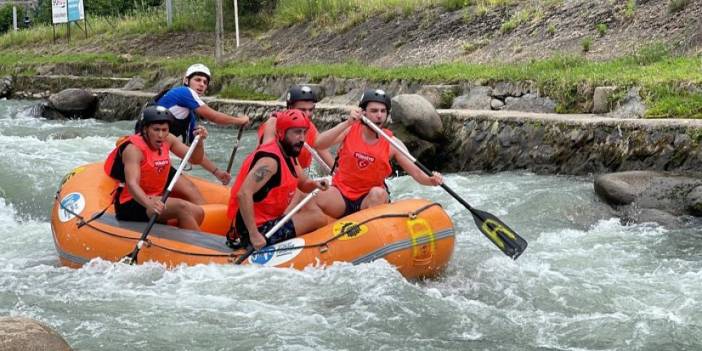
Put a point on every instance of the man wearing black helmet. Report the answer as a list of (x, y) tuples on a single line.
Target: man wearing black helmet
[(303, 98), (363, 159), (142, 162), (185, 104)]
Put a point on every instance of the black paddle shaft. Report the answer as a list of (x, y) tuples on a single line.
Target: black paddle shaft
[(133, 255), (236, 146)]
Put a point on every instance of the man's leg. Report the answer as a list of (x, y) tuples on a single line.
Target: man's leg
[(189, 215), (376, 196), (185, 188), (331, 202)]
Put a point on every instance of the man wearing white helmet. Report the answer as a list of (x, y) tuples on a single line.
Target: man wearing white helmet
[(185, 104)]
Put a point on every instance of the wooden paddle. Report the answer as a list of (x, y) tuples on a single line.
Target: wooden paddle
[(507, 240), (132, 257)]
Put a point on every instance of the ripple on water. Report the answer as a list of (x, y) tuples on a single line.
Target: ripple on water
[(586, 282)]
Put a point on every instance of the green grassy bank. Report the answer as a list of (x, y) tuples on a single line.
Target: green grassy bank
[(671, 85)]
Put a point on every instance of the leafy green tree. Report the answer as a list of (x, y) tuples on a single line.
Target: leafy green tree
[(6, 17)]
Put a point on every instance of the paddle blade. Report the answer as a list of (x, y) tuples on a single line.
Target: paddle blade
[(499, 233)]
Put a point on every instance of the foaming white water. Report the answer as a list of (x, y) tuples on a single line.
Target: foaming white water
[(586, 282)]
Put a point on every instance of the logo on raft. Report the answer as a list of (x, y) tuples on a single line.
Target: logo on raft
[(71, 205), (279, 253), (350, 229), (71, 174)]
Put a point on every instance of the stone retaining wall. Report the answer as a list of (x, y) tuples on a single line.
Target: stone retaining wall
[(568, 144), (503, 140)]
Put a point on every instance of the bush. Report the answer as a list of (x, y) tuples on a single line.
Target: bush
[(453, 5), (601, 29), (586, 44), (677, 5), (6, 17), (650, 54)]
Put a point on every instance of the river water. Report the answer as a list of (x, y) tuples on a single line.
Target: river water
[(586, 282)]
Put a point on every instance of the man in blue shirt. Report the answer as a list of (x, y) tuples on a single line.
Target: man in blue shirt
[(185, 104)]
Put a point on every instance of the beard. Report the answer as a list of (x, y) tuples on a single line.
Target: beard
[(292, 150)]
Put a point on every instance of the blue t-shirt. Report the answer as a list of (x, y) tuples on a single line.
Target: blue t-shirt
[(182, 102)]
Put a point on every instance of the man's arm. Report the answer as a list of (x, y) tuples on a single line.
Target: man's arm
[(336, 134), (307, 184), (220, 118), (412, 169), (269, 129), (261, 172), (180, 149), (327, 157)]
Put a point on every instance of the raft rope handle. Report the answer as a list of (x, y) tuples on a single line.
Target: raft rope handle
[(349, 228), (82, 222), (343, 232)]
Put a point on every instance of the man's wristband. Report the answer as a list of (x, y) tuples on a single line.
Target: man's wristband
[(215, 171)]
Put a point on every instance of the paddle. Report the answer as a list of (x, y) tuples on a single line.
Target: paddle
[(492, 227), (236, 146), (131, 257), (285, 219), (318, 158)]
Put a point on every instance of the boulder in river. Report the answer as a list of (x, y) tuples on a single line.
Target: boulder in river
[(674, 194), (418, 116), (74, 103), (5, 86), (24, 334)]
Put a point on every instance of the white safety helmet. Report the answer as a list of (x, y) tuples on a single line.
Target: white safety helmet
[(198, 68)]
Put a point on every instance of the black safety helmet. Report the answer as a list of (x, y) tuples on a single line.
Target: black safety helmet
[(299, 93), (156, 114), (375, 95)]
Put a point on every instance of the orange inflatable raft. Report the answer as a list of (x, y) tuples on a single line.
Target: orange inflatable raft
[(416, 236)]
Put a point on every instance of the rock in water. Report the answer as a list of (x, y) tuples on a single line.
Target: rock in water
[(417, 115), (74, 103), (23, 334)]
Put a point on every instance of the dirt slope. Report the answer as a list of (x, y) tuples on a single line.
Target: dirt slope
[(437, 36)]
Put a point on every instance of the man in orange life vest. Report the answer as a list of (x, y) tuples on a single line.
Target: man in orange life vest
[(363, 160), (300, 97), (143, 163), (266, 185)]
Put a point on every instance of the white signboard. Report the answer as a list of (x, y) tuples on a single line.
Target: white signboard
[(59, 11), (63, 11)]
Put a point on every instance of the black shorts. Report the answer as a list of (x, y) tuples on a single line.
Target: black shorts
[(352, 206), (131, 211), (286, 232)]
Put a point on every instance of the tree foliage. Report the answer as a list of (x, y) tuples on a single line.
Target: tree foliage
[(6, 17)]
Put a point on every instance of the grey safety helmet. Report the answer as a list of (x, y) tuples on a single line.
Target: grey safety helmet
[(299, 93), (375, 95), (156, 114)]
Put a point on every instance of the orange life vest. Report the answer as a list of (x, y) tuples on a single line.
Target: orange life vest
[(155, 166), (269, 203), (361, 166)]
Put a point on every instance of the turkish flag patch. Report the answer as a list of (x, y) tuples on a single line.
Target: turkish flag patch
[(363, 160)]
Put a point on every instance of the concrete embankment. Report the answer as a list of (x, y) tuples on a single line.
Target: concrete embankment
[(503, 140)]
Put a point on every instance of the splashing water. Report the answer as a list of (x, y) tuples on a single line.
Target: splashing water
[(586, 282)]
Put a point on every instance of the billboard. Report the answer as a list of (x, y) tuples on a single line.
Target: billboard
[(63, 11)]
